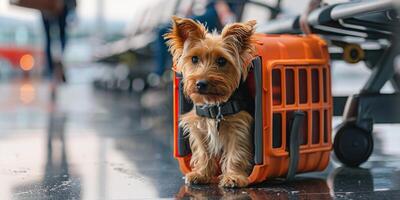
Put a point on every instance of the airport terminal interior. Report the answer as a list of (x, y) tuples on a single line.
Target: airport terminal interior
[(108, 132)]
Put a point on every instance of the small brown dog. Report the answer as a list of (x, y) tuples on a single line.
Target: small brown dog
[(213, 67)]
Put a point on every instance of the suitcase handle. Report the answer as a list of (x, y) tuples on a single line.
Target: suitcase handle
[(294, 146)]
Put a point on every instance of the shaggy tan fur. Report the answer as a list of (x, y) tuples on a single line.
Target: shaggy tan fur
[(230, 147)]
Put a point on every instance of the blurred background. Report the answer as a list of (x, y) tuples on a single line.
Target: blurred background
[(98, 123)]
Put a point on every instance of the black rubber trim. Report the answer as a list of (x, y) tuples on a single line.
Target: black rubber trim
[(296, 23), (294, 146), (258, 117), (339, 103), (184, 107), (325, 15), (382, 108)]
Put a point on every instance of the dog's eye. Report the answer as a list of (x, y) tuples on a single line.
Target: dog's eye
[(195, 59), (221, 61)]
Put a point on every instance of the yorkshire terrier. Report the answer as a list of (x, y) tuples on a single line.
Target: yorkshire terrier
[(213, 66)]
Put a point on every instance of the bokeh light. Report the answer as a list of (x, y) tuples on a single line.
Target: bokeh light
[(26, 62), (27, 93)]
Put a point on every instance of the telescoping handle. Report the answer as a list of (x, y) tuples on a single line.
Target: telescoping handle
[(294, 146)]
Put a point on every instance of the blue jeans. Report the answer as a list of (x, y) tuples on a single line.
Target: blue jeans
[(209, 18)]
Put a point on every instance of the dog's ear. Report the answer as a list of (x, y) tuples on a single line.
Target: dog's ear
[(239, 36), (183, 29)]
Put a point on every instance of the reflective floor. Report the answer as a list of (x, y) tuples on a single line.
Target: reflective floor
[(93, 144)]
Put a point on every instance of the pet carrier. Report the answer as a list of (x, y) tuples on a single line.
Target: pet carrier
[(290, 83)]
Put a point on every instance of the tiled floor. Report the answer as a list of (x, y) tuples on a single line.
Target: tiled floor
[(93, 144)]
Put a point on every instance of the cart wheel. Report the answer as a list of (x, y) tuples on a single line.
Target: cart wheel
[(353, 145)]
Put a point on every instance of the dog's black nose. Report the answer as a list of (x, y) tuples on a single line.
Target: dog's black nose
[(201, 85)]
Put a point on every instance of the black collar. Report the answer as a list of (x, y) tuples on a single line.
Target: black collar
[(220, 110), (240, 100)]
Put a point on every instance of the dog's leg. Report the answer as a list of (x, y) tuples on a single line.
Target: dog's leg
[(236, 162), (203, 165)]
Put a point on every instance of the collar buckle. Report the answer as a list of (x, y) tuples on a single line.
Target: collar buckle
[(219, 115), (215, 112)]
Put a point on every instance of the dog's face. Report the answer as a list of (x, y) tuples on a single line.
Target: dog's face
[(212, 65)]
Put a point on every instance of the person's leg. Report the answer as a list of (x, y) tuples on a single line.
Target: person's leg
[(161, 53), (49, 59), (62, 23), (62, 26), (209, 19)]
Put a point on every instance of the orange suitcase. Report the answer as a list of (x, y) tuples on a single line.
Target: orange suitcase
[(291, 84)]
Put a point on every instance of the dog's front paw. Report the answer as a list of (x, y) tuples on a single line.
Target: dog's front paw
[(196, 178), (232, 181)]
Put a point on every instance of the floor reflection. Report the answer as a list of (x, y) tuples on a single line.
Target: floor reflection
[(302, 188), (350, 182), (58, 182), (98, 145), (347, 183)]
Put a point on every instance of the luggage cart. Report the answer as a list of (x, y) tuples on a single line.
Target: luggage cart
[(353, 27)]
